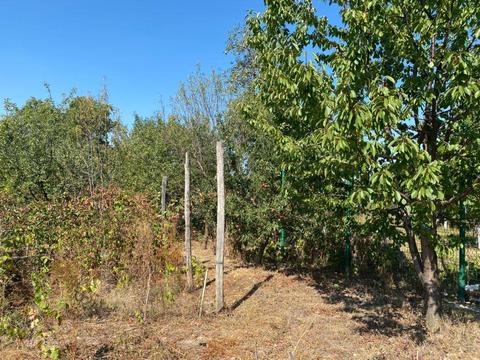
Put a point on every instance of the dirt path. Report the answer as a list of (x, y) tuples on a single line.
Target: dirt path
[(269, 316)]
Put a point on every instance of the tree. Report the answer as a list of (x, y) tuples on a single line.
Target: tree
[(199, 105), (155, 146), (49, 150), (388, 101), (29, 152), (152, 149), (308, 207), (89, 126)]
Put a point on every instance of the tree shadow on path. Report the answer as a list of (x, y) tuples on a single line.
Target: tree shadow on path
[(376, 309), (252, 291)]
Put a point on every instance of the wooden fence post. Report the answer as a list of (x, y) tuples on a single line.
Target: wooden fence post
[(188, 229), (478, 235), (164, 194), (220, 228)]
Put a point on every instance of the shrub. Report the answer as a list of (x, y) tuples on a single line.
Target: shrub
[(54, 257)]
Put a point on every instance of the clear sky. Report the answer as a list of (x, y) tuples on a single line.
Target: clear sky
[(139, 49)]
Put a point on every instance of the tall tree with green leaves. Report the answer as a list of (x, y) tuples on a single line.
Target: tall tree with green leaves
[(29, 151), (389, 101), (49, 150), (90, 124), (152, 149)]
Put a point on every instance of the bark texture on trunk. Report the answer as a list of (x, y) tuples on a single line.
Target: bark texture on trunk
[(426, 267), (431, 284)]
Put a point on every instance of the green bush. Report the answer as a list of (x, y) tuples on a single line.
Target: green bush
[(55, 256)]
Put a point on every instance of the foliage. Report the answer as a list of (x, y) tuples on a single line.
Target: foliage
[(155, 147), (56, 256), (259, 206), (152, 149), (388, 101), (49, 151), (374, 124)]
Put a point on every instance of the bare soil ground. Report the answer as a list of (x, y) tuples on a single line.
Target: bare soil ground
[(270, 315)]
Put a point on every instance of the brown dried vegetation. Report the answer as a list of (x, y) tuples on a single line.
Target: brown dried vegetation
[(270, 315)]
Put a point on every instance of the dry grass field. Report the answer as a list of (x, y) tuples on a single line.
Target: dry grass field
[(270, 315)]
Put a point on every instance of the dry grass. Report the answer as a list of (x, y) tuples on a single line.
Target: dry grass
[(270, 315)]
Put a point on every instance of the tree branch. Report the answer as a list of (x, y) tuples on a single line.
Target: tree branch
[(461, 195), (412, 245)]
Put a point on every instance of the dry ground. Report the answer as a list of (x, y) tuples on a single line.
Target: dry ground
[(271, 315)]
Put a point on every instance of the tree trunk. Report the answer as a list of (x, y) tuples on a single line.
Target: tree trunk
[(433, 301), (220, 228), (412, 246), (225, 241), (188, 230), (426, 267), (431, 286)]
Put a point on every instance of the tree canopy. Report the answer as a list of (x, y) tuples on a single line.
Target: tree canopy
[(387, 101)]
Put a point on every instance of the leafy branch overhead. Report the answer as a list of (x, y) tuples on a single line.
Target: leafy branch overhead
[(390, 99)]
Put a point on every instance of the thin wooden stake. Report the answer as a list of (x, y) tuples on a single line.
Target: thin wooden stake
[(203, 293), (205, 235), (164, 195), (188, 230), (147, 295), (220, 229)]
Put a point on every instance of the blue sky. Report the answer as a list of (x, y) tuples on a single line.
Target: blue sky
[(139, 49)]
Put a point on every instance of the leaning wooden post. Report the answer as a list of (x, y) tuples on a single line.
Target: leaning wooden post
[(203, 293), (164, 195), (220, 228), (188, 229)]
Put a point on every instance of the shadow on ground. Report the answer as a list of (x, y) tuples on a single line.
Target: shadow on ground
[(252, 291), (376, 309), (212, 280)]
